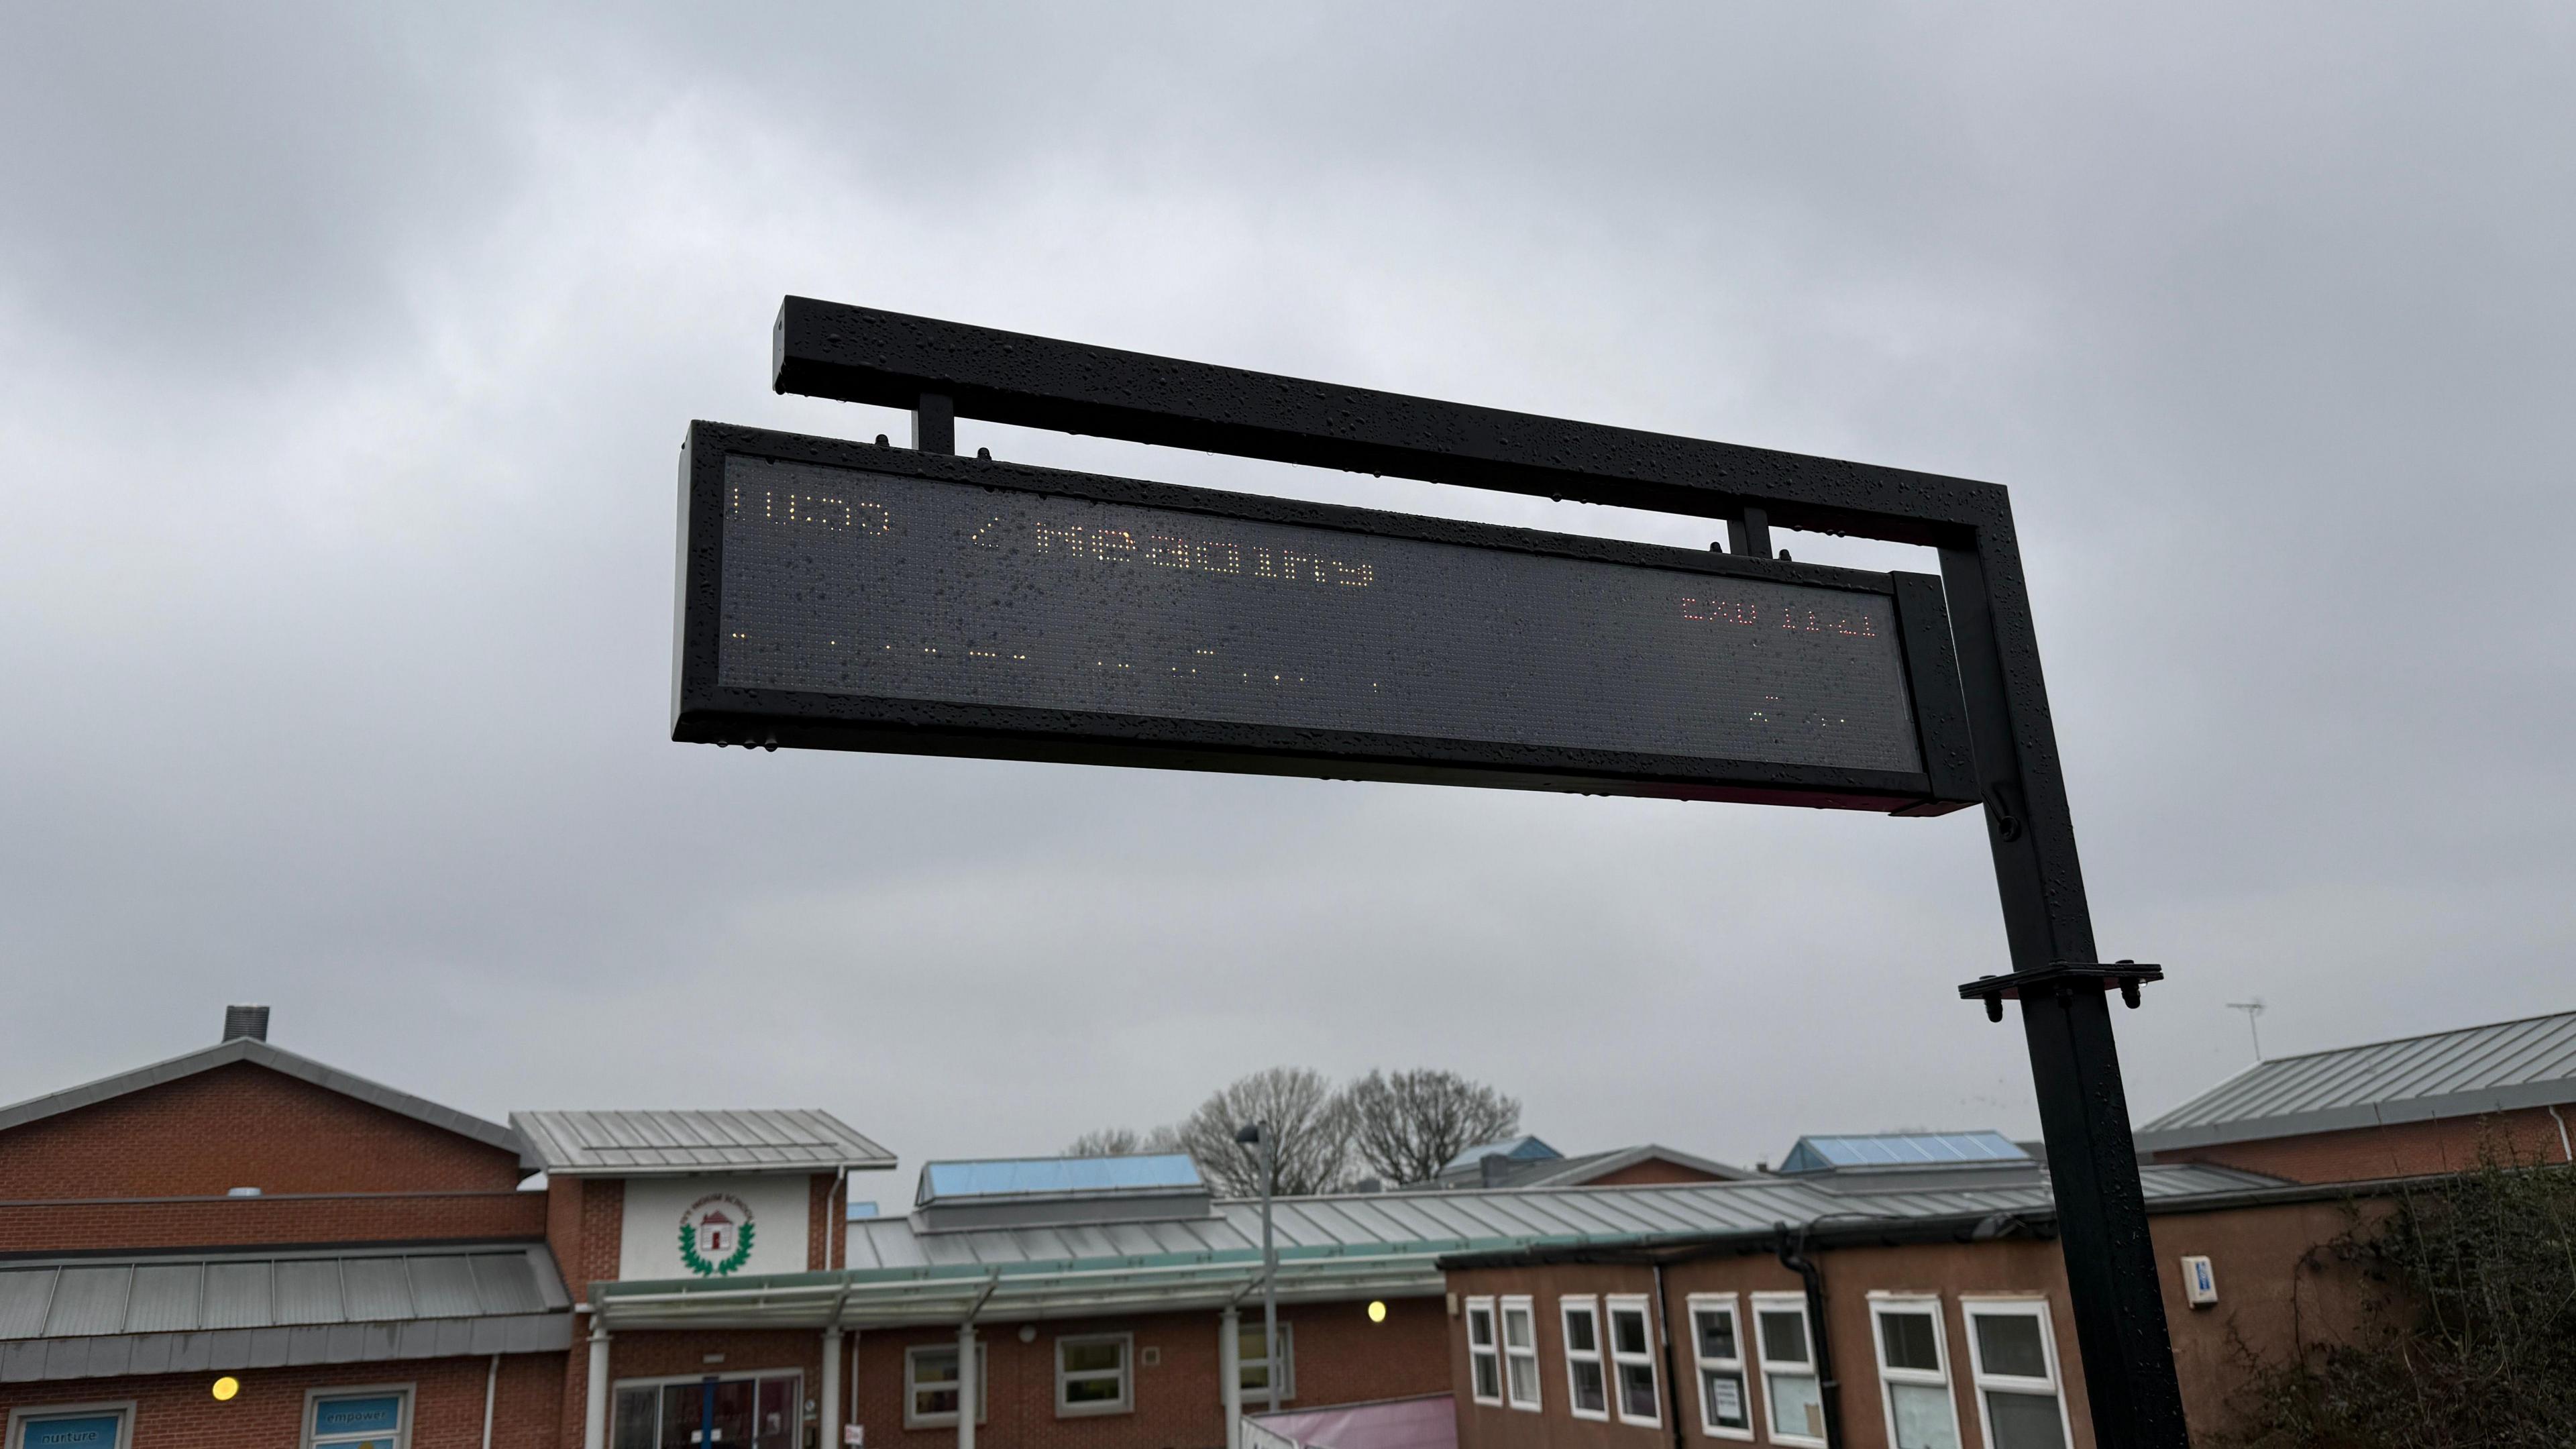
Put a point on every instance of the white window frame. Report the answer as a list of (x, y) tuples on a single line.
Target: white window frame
[(2020, 1306), (912, 1386), (1776, 1303), (402, 1426), (1697, 1304), (1883, 1303), (123, 1409), (723, 1373), (1491, 1350), (1638, 1303), (1525, 1356), (1125, 1403), (1568, 1305), (1288, 1366)]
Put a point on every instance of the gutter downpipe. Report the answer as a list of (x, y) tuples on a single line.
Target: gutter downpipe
[(2565, 1154), (1664, 1335), (967, 1387), (594, 1421), (491, 1390), (1791, 1248), (831, 1396)]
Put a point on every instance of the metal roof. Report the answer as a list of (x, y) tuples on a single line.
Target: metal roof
[(1033, 1176), (2462, 1073), (1330, 1248), (646, 1144), (1578, 1170), (168, 1313), (1900, 1149), (276, 1059)]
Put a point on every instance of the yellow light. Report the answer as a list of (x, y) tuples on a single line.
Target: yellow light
[(226, 1387), (1377, 1311)]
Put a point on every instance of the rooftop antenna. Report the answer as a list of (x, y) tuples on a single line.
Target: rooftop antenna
[(2252, 1009)]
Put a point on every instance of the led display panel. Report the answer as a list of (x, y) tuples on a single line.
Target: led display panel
[(880, 598)]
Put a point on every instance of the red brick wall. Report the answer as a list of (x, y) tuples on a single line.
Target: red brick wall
[(177, 1411), (244, 1221), (585, 1218), (1341, 1357), (241, 1126), (2405, 1149), (1652, 1170)]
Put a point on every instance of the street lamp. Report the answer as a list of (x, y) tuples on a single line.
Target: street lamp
[(1258, 1133)]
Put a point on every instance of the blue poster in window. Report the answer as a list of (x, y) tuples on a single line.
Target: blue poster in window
[(374, 1414), (80, 1431)]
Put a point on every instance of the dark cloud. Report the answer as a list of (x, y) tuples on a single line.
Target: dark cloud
[(342, 361)]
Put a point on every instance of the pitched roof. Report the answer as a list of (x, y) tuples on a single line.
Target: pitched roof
[(276, 1059), (1573, 1171), (649, 1144), (2462, 1073), (103, 1315), (1517, 1149), (1331, 1248)]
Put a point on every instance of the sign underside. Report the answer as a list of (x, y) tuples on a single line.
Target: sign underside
[(862, 597)]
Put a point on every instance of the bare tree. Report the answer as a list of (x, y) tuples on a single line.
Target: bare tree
[(1299, 1105), (1406, 1125), (1123, 1142)]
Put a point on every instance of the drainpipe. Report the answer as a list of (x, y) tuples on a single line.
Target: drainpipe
[(594, 1423), (1664, 1339), (1229, 1372), (966, 1385), (491, 1390), (1791, 1249), (831, 1395), (2564, 1153)]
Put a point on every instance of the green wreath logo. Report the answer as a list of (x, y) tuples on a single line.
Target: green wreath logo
[(699, 1263)]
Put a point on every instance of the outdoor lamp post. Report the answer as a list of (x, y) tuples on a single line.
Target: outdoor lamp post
[(1259, 1133)]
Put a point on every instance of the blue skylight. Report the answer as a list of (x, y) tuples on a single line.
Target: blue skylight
[(1033, 1176), (1901, 1149)]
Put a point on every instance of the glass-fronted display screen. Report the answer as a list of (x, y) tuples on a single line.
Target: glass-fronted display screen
[(844, 581)]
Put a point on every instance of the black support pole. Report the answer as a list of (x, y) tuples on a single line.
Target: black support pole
[(2111, 1275)]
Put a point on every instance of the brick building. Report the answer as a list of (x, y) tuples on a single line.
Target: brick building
[(2415, 1105)]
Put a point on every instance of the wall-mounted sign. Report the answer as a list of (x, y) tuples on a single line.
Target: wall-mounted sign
[(864, 597)]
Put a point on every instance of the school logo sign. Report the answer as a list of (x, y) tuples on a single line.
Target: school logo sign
[(715, 1235)]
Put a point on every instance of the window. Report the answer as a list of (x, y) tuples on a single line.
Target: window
[(1091, 1375), (930, 1386), (764, 1411), (1484, 1357), (2014, 1359), (1790, 1398), (1632, 1362), (1585, 1386), (1520, 1353), (1252, 1365), (72, 1426), (1914, 1372), (358, 1418), (1718, 1351)]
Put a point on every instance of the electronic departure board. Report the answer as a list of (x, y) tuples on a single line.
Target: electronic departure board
[(866, 597)]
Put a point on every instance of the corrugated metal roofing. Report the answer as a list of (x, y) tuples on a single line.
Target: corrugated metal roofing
[(1372, 1244), (632, 1144), (274, 1058), (185, 1294), (1021, 1177), (1900, 1149), (2474, 1070)]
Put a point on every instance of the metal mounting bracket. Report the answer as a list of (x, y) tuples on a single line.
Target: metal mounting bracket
[(2060, 978)]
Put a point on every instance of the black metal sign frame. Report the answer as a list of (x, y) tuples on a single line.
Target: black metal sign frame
[(942, 370), (705, 710)]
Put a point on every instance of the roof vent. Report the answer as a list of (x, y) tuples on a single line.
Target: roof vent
[(246, 1021)]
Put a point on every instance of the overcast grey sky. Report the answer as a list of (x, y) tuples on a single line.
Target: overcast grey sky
[(344, 353)]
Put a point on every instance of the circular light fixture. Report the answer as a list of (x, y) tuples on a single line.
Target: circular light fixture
[(1028, 1333), (226, 1387), (1377, 1310)]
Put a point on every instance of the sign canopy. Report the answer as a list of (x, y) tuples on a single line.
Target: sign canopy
[(850, 596)]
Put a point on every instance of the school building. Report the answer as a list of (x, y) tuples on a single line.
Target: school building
[(246, 1246)]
